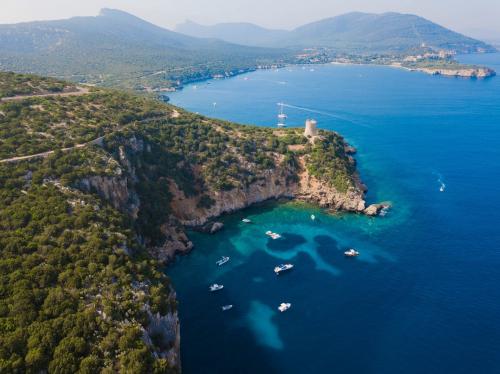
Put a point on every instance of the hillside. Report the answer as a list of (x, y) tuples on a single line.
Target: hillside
[(239, 33), (84, 230), (118, 49), (357, 33)]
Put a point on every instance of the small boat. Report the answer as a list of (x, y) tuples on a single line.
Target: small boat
[(351, 253), (273, 235), (246, 220), (227, 307), (313, 217), (223, 260), (283, 267), (216, 287), (281, 116), (284, 307)]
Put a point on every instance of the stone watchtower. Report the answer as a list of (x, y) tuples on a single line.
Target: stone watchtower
[(311, 131)]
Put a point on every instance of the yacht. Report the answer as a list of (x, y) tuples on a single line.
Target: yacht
[(284, 307), (273, 235), (283, 267), (223, 260), (246, 220), (227, 307), (281, 116), (216, 287), (351, 253)]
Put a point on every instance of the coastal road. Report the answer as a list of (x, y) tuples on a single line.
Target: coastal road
[(97, 141)]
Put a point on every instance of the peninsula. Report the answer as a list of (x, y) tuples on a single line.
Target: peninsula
[(97, 189)]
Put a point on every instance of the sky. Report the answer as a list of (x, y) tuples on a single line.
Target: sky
[(479, 18)]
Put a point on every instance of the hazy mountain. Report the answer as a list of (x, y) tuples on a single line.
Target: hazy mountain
[(353, 33), (117, 46), (238, 33)]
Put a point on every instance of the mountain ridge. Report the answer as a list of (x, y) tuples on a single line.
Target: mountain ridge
[(356, 31)]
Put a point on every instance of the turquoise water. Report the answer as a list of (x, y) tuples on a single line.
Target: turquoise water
[(424, 295)]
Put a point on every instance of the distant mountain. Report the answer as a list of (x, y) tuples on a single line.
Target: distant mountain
[(238, 33), (117, 48), (350, 33)]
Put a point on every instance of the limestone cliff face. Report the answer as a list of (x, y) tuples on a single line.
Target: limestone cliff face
[(273, 184), (114, 189), (465, 72)]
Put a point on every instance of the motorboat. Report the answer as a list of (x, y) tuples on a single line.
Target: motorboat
[(246, 220), (284, 307), (223, 260), (283, 267), (227, 307), (273, 235), (216, 287), (351, 253), (313, 217)]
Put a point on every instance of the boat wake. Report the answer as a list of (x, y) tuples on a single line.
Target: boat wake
[(328, 114), (442, 185)]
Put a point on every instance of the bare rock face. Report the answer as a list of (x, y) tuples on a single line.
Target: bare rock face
[(166, 332), (114, 189), (273, 185), (176, 242)]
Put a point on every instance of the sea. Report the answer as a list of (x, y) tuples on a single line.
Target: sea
[(424, 294)]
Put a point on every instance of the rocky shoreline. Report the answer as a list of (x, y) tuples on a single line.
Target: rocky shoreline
[(479, 73), (187, 212)]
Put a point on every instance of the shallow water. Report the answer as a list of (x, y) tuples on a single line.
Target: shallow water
[(422, 297)]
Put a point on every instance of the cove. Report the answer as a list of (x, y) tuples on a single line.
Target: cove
[(423, 295)]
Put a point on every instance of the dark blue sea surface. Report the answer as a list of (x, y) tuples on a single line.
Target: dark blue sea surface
[(423, 296)]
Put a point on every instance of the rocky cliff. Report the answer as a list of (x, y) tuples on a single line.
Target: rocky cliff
[(200, 201), (464, 72)]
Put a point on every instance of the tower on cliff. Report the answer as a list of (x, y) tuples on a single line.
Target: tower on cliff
[(311, 131)]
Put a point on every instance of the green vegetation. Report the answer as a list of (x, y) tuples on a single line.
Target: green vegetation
[(12, 84), (116, 49), (327, 162), (73, 281), (40, 124), (79, 289), (356, 33)]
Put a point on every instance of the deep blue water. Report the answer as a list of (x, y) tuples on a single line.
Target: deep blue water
[(424, 295)]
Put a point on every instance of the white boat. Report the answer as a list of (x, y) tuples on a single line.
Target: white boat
[(216, 287), (273, 235), (284, 307), (351, 253), (281, 116), (283, 267), (246, 220), (223, 260), (227, 307), (313, 217)]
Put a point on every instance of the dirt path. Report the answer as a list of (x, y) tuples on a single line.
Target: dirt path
[(80, 91), (97, 141)]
